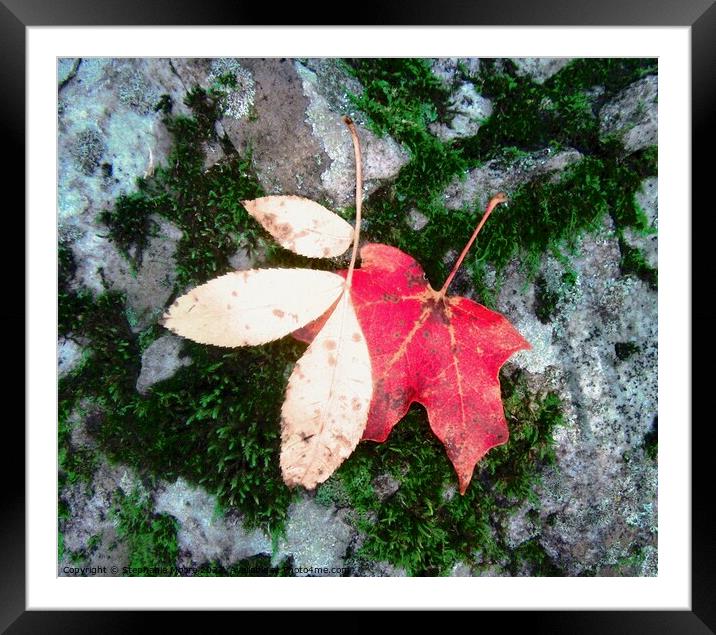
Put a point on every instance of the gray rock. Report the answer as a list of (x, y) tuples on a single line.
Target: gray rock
[(317, 537), (496, 571), (385, 486), (416, 220), (519, 528), (69, 356), (452, 70), (382, 157), (336, 85), (378, 570), (148, 288), (632, 115), (106, 116), (484, 182), (449, 492), (236, 101), (601, 498), (204, 535), (87, 150), (160, 361), (83, 421), (109, 134), (461, 570), (89, 519), (647, 199), (287, 158), (543, 353), (66, 69), (243, 259), (540, 69), (469, 111)]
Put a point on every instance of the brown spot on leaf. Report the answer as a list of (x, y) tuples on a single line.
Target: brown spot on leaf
[(234, 293), (329, 344), (439, 310), (332, 361), (282, 231), (356, 404), (278, 313), (343, 440), (356, 337), (391, 297)]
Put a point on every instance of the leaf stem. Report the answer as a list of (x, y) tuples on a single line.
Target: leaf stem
[(359, 197), (498, 198)]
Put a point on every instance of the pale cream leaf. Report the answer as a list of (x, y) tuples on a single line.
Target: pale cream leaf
[(327, 400), (246, 308), (302, 225)]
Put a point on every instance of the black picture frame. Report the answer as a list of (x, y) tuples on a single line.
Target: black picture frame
[(700, 15)]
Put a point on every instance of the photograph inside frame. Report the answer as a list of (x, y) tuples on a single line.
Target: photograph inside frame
[(357, 317)]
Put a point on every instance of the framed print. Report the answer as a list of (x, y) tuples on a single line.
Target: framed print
[(392, 303)]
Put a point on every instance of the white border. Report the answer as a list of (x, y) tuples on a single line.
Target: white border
[(671, 589)]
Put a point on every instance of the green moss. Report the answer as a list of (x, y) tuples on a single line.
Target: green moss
[(151, 538), (532, 556), (651, 441), (402, 98), (633, 261), (425, 527), (546, 300), (629, 564), (131, 225), (530, 116), (624, 350), (204, 204), (76, 464), (216, 422), (548, 297), (333, 492)]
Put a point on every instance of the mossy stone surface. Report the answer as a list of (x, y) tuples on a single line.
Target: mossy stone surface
[(215, 424)]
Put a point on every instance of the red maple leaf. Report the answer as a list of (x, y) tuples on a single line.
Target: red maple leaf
[(443, 352)]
